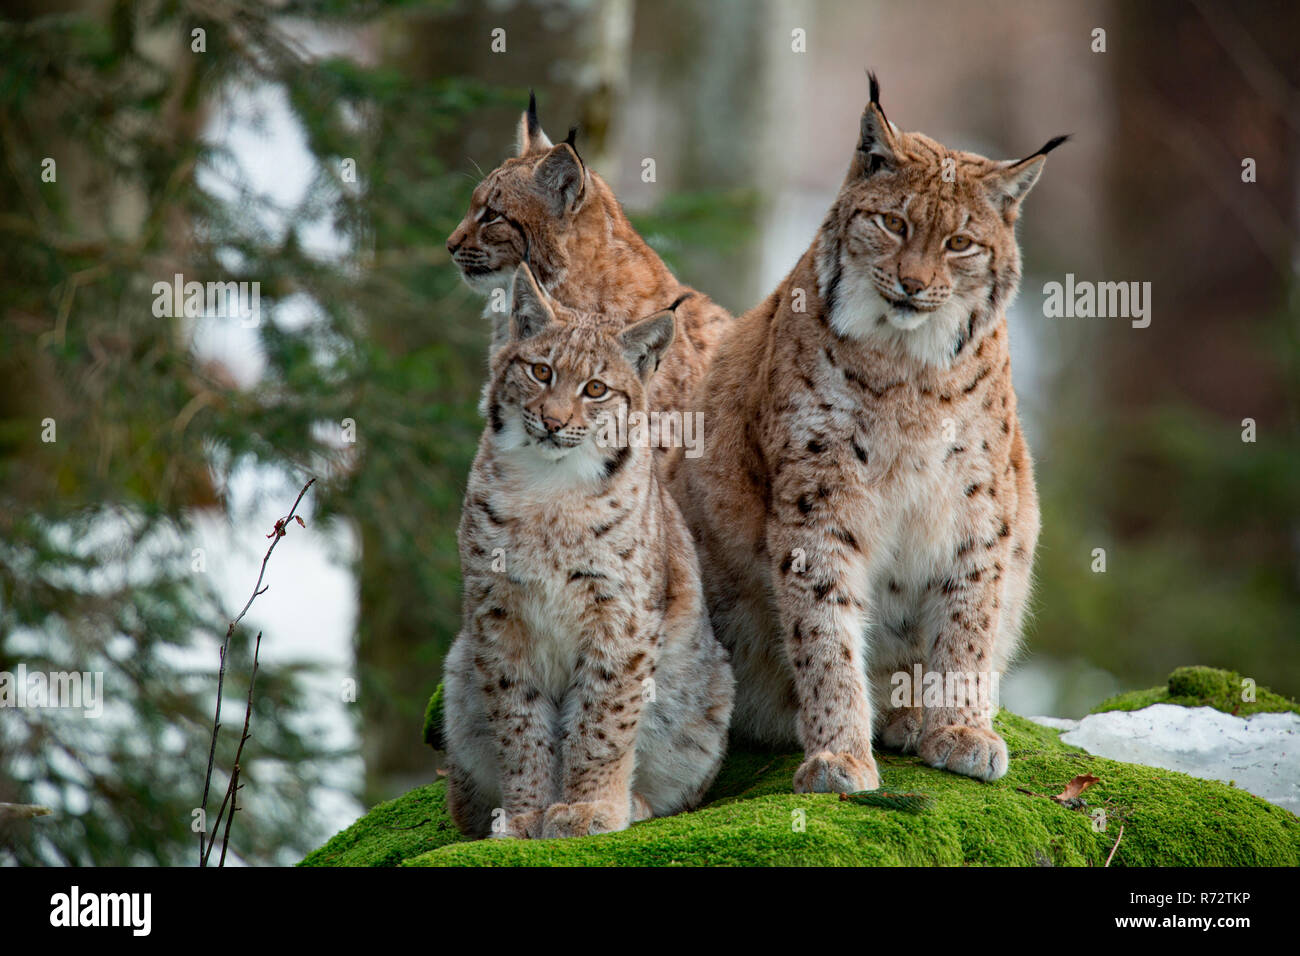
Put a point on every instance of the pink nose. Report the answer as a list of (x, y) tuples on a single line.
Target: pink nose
[(911, 286), (552, 424), (458, 236)]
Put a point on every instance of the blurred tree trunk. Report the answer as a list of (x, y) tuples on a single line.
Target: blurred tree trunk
[(1219, 89), (1148, 459), (699, 108)]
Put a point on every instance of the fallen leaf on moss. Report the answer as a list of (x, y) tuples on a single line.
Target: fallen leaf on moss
[(1075, 787)]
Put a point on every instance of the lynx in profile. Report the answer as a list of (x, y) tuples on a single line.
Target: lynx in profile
[(586, 690), (865, 502)]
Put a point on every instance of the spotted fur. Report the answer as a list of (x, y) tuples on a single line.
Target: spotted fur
[(586, 689), (865, 501), (548, 206)]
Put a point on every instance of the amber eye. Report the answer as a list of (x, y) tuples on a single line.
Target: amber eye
[(959, 243), (895, 224), (595, 389), (541, 371)]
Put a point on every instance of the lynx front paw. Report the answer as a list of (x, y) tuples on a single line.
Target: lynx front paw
[(828, 772), (902, 731), (521, 826), (584, 819), (970, 751)]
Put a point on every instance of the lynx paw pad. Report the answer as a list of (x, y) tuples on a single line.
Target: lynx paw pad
[(902, 732), (521, 826), (583, 819), (969, 751), (828, 772)]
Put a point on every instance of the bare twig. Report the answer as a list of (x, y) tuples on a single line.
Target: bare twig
[(1116, 846), (234, 787), (216, 825), (225, 840), (276, 534)]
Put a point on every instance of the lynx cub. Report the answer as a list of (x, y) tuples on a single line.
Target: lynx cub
[(865, 504), (586, 690)]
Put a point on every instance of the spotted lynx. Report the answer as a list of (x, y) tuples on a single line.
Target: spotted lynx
[(545, 205), (865, 504), (586, 690)]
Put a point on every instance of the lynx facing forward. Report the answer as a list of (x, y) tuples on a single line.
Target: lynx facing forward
[(546, 206), (586, 690), (865, 503)]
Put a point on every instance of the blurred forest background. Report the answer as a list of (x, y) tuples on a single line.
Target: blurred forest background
[(128, 542)]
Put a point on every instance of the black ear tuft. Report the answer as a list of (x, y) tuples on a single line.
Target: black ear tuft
[(534, 124), (1047, 147), (874, 96), (680, 299), (875, 139), (572, 140)]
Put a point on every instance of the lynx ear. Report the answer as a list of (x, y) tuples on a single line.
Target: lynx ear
[(645, 343), (562, 177), (1011, 182), (877, 139), (531, 137), (529, 310)]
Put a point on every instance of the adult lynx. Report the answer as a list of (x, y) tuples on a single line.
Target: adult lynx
[(865, 503)]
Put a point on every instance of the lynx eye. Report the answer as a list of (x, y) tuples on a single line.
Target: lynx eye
[(895, 224), (541, 371), (490, 216), (959, 243), (595, 389)]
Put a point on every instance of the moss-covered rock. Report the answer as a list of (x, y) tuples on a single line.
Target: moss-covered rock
[(1203, 687), (750, 818)]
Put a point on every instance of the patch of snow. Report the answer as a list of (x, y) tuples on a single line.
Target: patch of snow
[(1056, 723), (1259, 754)]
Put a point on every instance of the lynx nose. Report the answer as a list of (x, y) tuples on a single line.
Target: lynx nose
[(552, 425), (911, 286), (456, 238)]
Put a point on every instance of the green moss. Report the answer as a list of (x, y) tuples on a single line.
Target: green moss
[(748, 819), (392, 832), (433, 721), (1202, 687)]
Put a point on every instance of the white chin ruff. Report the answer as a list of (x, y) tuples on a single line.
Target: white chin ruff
[(926, 336), (548, 467), (907, 320), (486, 283), (551, 452)]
